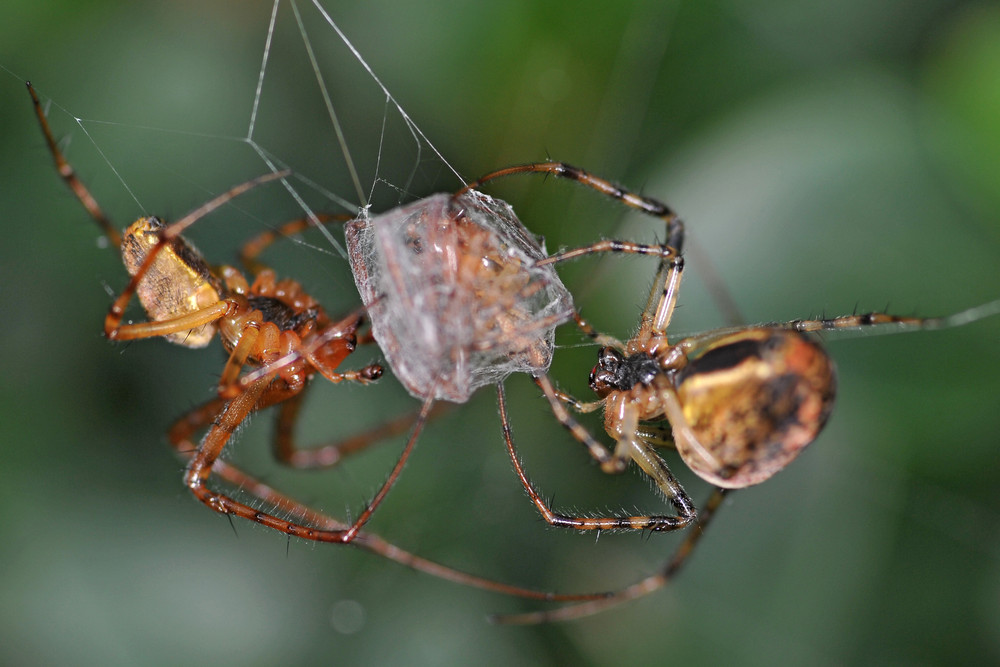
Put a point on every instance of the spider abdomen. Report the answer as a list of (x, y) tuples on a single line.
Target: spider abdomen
[(178, 282), (753, 400)]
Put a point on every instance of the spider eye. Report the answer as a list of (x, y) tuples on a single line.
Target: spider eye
[(605, 376), (609, 358), (599, 382)]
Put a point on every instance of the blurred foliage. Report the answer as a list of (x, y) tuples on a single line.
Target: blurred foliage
[(824, 156)]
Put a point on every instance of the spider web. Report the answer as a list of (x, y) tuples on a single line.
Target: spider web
[(370, 154), (393, 114)]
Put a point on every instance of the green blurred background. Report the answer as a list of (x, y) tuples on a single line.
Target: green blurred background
[(825, 156)]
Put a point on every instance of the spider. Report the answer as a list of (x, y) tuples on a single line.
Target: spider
[(189, 303), (738, 404), (270, 325), (699, 386)]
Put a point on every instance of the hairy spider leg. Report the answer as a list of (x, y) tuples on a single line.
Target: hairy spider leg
[(639, 589), (199, 471), (878, 321), (181, 437), (645, 457)]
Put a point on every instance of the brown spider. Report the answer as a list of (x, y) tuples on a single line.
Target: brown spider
[(739, 404), (271, 326), (258, 323)]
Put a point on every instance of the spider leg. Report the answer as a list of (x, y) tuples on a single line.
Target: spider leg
[(598, 451), (644, 456), (418, 426), (115, 330), (181, 434), (662, 300), (664, 251), (113, 327), (323, 350), (657, 435), (648, 205), (601, 339), (229, 378), (577, 404), (235, 411), (68, 175), (875, 322), (645, 586), (327, 455), (206, 455), (252, 249)]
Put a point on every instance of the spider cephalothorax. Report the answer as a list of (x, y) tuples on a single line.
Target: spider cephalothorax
[(617, 372)]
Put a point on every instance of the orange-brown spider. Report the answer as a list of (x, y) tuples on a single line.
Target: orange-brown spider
[(271, 326), (738, 404), (258, 322)]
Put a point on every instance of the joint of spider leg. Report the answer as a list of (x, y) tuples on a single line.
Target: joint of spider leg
[(668, 524), (668, 356), (218, 504), (648, 205), (665, 251), (614, 465)]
